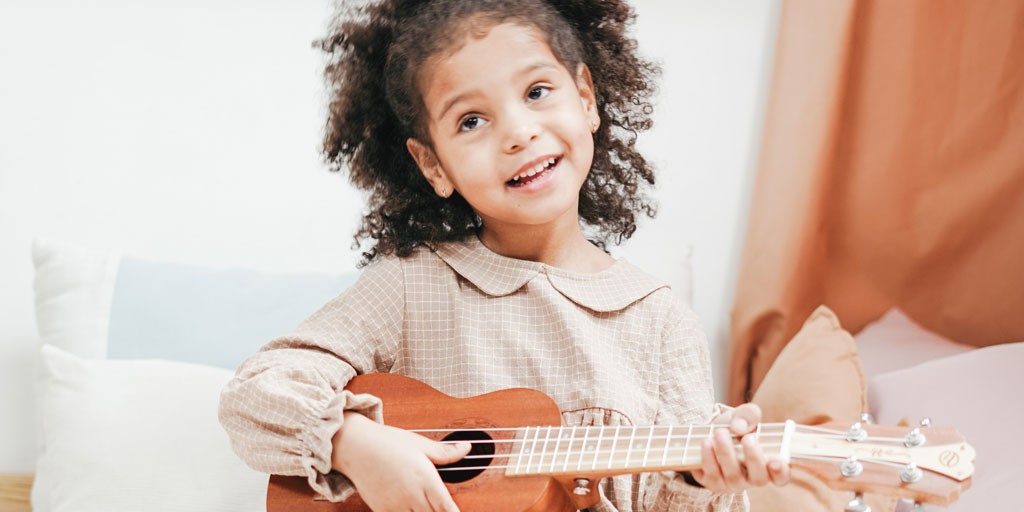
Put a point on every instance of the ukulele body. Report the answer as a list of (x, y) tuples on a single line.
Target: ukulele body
[(413, 405)]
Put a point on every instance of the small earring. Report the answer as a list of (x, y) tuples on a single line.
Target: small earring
[(593, 127), (444, 192)]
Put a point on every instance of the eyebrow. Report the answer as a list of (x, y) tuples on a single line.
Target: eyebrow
[(463, 96)]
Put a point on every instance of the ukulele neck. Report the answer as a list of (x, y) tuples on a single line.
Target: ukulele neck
[(625, 449)]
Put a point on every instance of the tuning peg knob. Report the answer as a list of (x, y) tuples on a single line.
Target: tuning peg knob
[(581, 488), (857, 504), (867, 418), (911, 473), (851, 467), (926, 422), (914, 438), (917, 507), (856, 433)]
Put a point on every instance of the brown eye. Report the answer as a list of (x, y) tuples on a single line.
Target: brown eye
[(470, 123), (537, 92)]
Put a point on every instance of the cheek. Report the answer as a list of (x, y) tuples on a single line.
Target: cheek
[(585, 146)]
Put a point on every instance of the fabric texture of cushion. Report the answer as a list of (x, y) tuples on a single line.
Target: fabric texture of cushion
[(817, 378), (136, 435), (109, 306), (895, 341), (977, 393)]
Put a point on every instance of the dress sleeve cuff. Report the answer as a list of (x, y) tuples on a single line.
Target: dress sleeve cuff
[(719, 413), (318, 435)]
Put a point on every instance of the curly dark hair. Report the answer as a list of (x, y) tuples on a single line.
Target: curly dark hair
[(375, 53)]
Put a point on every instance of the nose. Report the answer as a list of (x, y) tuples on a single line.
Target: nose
[(521, 128)]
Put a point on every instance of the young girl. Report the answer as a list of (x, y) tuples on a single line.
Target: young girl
[(494, 138)]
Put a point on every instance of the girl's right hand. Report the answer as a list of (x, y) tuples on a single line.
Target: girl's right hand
[(394, 469)]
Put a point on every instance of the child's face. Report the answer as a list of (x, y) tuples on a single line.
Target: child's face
[(499, 108)]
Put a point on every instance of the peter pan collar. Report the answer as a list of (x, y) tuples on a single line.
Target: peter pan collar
[(611, 289)]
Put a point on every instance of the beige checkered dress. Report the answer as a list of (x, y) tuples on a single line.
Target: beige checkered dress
[(611, 348)]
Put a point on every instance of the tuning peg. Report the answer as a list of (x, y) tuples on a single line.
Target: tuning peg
[(581, 488), (857, 504), (914, 438), (917, 507), (911, 473), (856, 433), (926, 422), (851, 467), (867, 418)]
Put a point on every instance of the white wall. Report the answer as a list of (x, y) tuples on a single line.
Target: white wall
[(189, 131)]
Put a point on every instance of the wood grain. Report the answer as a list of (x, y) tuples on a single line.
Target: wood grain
[(14, 492)]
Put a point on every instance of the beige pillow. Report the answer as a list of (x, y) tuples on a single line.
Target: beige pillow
[(817, 378)]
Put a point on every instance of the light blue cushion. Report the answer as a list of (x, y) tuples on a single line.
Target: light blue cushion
[(208, 316)]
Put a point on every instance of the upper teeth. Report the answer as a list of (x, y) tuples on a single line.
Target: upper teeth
[(535, 169)]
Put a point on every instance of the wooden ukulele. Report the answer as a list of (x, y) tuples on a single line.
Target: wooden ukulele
[(521, 452)]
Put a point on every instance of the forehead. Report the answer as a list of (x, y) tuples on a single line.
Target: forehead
[(486, 59)]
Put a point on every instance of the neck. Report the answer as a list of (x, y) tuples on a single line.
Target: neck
[(583, 451), (561, 246)]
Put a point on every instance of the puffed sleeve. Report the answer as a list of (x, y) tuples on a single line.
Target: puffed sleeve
[(286, 402), (686, 397)]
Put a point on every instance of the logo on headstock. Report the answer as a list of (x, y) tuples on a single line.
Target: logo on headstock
[(881, 453), (949, 458)]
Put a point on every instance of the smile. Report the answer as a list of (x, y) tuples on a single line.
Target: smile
[(539, 170)]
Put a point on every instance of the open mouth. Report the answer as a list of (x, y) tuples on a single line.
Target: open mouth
[(542, 169)]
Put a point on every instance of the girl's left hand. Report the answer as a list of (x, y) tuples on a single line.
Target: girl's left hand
[(721, 470)]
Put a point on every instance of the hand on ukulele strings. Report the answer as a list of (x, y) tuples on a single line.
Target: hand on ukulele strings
[(721, 470), (393, 469)]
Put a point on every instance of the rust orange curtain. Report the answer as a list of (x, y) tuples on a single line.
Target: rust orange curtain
[(891, 174)]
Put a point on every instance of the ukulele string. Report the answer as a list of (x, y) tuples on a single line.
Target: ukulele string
[(828, 433), (625, 463), (583, 429), (578, 439), (595, 453)]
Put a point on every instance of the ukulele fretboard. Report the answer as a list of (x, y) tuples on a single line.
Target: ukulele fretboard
[(623, 449)]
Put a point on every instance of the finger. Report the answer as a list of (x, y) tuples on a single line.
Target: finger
[(446, 453), (754, 460), (745, 418), (725, 453), (778, 472), (440, 499), (710, 475)]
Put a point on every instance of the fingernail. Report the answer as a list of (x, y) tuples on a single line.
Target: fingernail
[(775, 465), (739, 425), (462, 445)]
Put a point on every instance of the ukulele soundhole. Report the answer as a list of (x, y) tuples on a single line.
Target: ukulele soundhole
[(480, 456)]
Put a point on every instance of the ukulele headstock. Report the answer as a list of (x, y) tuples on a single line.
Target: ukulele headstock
[(924, 464)]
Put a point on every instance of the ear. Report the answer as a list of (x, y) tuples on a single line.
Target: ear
[(588, 97), (429, 165)]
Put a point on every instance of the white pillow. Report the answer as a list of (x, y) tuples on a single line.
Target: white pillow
[(895, 341), (136, 436), (73, 291)]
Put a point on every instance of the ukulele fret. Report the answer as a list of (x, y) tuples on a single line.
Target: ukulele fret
[(600, 445), (629, 450), (533, 449), (615, 440), (556, 454), (572, 437), (647, 446), (583, 448), (521, 441), (686, 443), (544, 450), (668, 442)]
